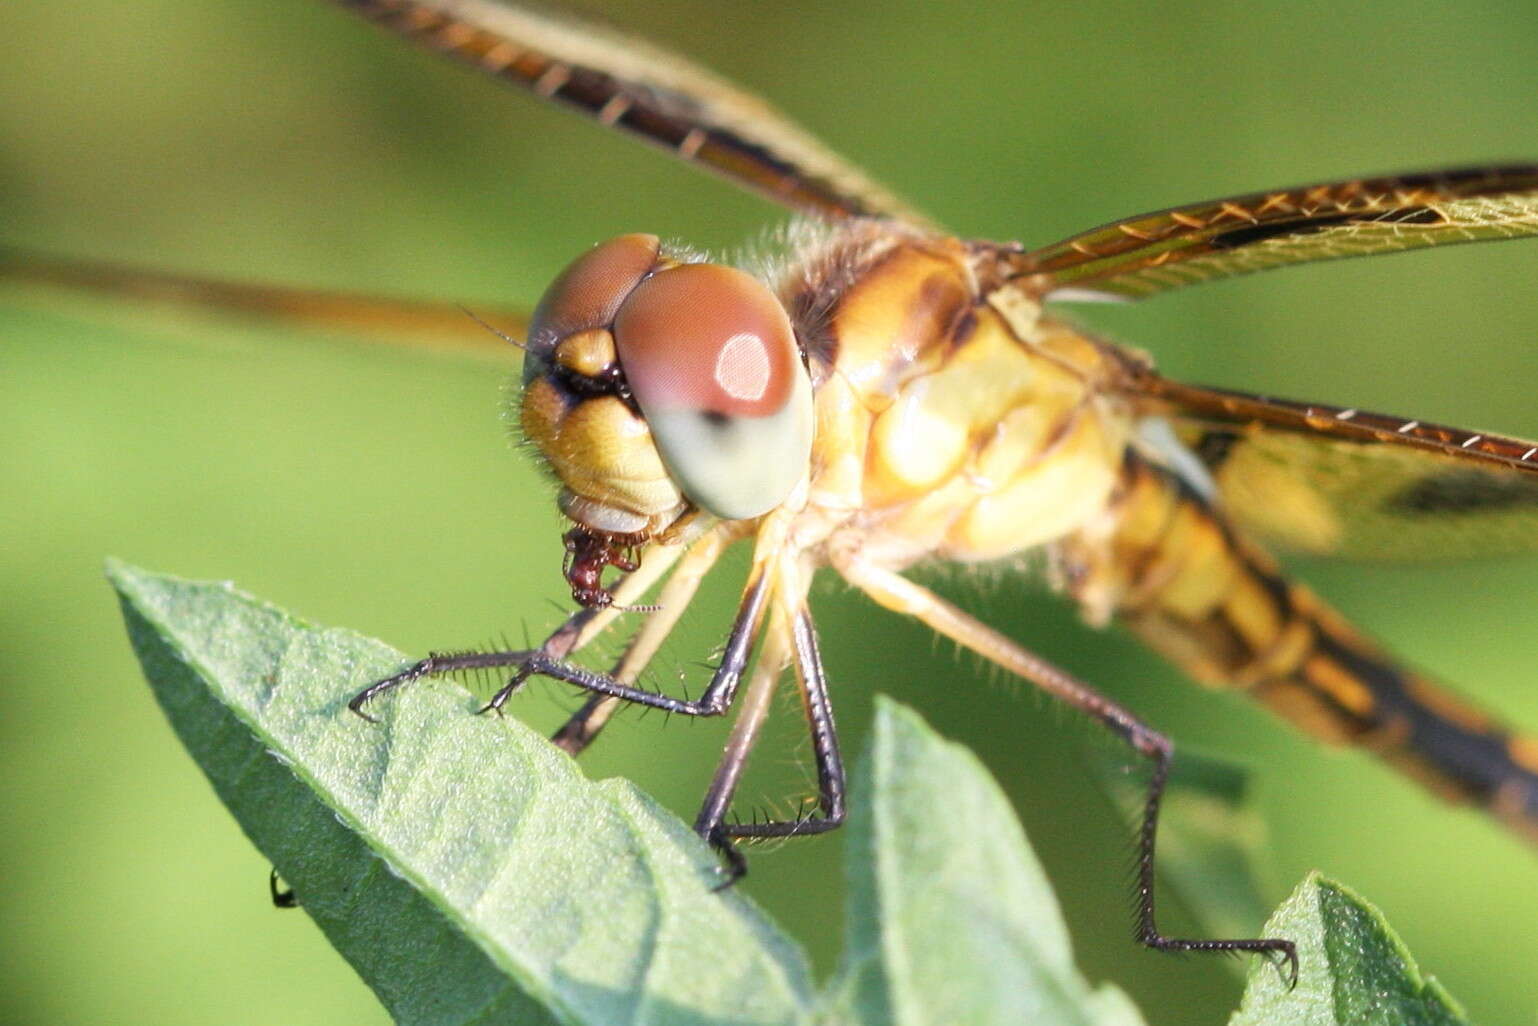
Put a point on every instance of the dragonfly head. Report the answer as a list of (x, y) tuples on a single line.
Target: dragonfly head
[(653, 388)]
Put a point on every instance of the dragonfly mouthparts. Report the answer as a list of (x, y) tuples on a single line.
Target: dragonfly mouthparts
[(588, 554)]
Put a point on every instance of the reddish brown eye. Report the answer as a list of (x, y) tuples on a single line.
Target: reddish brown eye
[(588, 292), (708, 338), (712, 361)]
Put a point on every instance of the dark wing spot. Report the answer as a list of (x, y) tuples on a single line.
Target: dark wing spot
[(1261, 232), (1466, 491), (1309, 225), (715, 418), (1213, 448)]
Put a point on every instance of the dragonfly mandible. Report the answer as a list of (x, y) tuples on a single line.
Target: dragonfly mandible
[(1163, 477)]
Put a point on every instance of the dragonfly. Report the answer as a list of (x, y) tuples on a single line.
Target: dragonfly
[(885, 395)]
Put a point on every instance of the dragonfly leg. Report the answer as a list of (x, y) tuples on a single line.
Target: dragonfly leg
[(713, 701), (803, 654), (583, 726), (576, 632), (896, 592), (436, 665)]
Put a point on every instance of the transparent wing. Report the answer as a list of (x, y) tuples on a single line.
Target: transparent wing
[(479, 332), (1329, 480), (1222, 238), (628, 84)]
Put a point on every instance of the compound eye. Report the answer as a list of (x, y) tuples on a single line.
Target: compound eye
[(712, 361), (587, 293)]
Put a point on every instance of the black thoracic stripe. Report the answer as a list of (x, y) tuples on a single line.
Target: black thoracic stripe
[(1478, 760)]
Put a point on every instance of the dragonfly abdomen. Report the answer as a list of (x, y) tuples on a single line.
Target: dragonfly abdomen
[(1168, 564)]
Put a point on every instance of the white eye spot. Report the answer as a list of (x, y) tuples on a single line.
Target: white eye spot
[(742, 367)]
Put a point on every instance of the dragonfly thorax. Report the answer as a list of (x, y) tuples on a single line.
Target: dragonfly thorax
[(955, 422)]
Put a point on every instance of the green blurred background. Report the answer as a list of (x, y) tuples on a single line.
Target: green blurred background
[(374, 488)]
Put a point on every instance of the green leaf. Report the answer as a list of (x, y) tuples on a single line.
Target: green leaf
[(951, 919), (1352, 969), (461, 863), (470, 874)]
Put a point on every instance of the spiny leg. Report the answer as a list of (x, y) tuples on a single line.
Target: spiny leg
[(583, 726), (790, 640), (831, 784), (571, 636), (772, 660), (897, 593), (713, 701)]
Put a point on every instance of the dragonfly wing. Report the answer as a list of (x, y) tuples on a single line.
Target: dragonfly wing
[(1330, 480), (1152, 253), (427, 325), (630, 85)]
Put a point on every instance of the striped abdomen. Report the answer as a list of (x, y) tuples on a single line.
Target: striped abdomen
[(1166, 563)]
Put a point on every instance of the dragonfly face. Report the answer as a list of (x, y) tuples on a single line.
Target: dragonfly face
[(654, 389)]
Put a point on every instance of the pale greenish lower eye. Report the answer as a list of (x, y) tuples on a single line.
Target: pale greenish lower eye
[(737, 467), (712, 361)]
